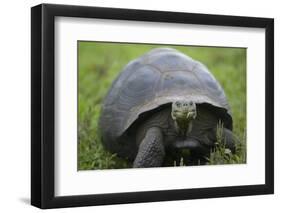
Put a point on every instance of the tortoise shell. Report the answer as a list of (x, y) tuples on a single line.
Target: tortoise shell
[(159, 77)]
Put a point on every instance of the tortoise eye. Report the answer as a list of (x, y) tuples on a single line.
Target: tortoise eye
[(178, 104)]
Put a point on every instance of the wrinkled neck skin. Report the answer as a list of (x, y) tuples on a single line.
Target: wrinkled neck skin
[(183, 126)]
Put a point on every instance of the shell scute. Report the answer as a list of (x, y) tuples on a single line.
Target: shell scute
[(159, 77)]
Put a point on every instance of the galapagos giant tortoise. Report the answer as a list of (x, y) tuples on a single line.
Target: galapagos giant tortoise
[(162, 103)]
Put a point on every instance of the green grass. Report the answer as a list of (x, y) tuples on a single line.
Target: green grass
[(222, 155), (100, 63)]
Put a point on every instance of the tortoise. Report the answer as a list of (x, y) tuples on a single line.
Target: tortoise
[(162, 105)]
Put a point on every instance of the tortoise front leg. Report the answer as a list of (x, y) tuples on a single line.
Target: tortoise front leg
[(151, 150)]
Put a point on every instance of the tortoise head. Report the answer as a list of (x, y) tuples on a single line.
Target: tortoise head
[(183, 112)]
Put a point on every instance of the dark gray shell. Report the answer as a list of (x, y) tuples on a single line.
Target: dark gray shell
[(160, 76)]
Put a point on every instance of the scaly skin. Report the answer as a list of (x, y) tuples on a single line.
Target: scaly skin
[(151, 150), (182, 126)]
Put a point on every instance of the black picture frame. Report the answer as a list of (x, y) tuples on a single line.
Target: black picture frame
[(43, 102)]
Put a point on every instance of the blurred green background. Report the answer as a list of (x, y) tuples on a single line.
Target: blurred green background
[(100, 63)]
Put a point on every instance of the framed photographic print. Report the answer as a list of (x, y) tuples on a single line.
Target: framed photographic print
[(139, 106)]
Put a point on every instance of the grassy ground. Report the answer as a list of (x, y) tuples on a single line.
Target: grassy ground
[(100, 63)]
